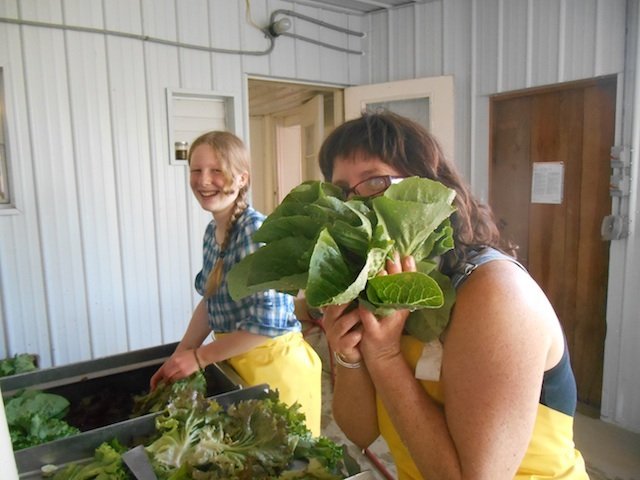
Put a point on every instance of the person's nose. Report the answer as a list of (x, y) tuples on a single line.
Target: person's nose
[(206, 178)]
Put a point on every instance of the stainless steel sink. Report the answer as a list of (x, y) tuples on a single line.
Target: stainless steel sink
[(98, 385)]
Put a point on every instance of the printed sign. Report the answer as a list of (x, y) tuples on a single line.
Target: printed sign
[(547, 182)]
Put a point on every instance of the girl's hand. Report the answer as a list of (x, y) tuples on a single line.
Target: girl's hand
[(381, 337), (180, 365), (343, 331)]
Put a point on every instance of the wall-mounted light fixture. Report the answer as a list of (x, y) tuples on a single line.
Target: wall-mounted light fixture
[(281, 27)]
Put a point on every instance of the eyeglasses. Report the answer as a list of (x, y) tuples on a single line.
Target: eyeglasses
[(372, 186)]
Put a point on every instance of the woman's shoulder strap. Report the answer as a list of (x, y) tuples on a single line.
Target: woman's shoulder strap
[(477, 258)]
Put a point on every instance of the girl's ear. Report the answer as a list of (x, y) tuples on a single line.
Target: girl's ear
[(244, 179)]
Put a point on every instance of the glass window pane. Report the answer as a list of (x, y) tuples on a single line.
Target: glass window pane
[(417, 109), (5, 194), (4, 187)]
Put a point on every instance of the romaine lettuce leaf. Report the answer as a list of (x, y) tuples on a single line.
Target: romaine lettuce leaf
[(334, 248)]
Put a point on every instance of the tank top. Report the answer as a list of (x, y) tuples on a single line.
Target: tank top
[(551, 453)]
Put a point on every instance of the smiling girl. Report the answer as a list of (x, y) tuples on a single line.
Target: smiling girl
[(258, 335)]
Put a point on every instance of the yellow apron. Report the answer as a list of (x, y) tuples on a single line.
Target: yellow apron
[(551, 453), (290, 365)]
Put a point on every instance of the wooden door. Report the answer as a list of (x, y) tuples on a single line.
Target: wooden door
[(560, 243)]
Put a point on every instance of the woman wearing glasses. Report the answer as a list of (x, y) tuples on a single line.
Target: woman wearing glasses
[(501, 404)]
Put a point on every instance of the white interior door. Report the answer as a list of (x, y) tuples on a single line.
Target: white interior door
[(429, 101), (299, 134)]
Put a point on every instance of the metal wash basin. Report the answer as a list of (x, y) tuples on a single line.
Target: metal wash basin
[(101, 394), (80, 448)]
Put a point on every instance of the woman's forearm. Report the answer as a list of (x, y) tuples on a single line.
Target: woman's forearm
[(354, 405), (229, 345), (197, 330), (420, 422)]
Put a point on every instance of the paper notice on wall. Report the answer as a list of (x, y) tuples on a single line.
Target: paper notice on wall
[(547, 182)]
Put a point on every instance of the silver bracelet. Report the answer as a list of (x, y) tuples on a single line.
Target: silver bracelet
[(340, 361)]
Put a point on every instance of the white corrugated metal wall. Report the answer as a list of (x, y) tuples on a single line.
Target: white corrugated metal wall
[(101, 256)]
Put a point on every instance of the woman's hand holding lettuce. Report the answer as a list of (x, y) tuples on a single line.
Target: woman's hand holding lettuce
[(333, 249)]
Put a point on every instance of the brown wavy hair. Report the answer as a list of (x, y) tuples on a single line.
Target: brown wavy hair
[(411, 150), (235, 159)]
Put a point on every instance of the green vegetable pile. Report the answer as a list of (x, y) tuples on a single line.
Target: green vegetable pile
[(198, 439), (107, 464), (19, 363), (165, 393), (35, 417), (333, 249)]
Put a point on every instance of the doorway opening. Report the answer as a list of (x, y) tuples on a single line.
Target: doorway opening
[(287, 124)]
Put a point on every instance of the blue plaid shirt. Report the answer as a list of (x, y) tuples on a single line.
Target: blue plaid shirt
[(267, 313)]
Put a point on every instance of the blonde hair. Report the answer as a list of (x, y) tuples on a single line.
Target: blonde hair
[(234, 160)]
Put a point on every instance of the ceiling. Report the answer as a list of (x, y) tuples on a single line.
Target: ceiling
[(361, 6), (268, 97)]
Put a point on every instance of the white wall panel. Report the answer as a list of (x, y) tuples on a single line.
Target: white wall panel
[(226, 68), (402, 39), (356, 63), (306, 58), (280, 60), (21, 272), (41, 11), (610, 23), (168, 182), (457, 62), (487, 45), (545, 40), (178, 218), (195, 65), (94, 169), (253, 39), (87, 13), (378, 53), (579, 31), (56, 190), (428, 30), (330, 59), (513, 64), (122, 16), (9, 8), (129, 122)]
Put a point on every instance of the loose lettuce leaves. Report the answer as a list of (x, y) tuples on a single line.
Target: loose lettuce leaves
[(196, 438), (106, 464), (36, 417), (19, 363), (257, 438), (333, 248), (157, 400)]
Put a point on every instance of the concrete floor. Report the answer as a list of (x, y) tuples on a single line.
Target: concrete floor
[(610, 452)]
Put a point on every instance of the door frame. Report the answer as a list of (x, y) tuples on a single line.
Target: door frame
[(439, 90), (265, 164)]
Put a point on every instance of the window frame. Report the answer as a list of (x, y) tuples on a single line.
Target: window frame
[(7, 178), (231, 117)]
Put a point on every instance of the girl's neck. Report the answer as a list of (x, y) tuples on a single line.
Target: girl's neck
[(222, 223), (222, 217)]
